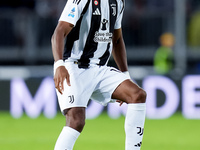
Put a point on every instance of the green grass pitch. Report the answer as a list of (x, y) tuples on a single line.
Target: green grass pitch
[(102, 133)]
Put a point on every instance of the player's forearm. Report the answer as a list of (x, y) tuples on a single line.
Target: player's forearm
[(119, 55), (58, 38), (57, 42)]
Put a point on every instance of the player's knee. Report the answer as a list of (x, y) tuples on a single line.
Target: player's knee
[(79, 124), (76, 123), (138, 97), (142, 96), (75, 118)]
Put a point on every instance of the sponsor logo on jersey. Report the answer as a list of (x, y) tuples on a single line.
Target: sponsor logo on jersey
[(97, 12), (71, 14), (102, 37), (104, 22)]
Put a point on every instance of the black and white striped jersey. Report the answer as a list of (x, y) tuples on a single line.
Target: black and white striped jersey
[(90, 41)]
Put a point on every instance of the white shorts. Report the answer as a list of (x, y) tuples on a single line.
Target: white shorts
[(95, 83)]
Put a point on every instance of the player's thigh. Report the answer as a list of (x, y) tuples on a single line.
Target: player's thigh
[(129, 92)]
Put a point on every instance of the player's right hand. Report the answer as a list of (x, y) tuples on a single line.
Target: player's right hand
[(60, 75)]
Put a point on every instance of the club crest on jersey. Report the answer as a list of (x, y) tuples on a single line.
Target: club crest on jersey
[(71, 14), (96, 2), (114, 11)]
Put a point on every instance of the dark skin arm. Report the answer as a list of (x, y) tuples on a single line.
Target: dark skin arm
[(57, 41), (119, 52)]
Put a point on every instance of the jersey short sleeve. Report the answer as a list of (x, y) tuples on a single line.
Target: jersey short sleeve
[(120, 15), (72, 11)]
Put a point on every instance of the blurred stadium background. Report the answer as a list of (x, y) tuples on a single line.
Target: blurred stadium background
[(26, 68)]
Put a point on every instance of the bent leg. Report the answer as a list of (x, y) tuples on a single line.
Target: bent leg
[(75, 121), (135, 97), (129, 92), (75, 118)]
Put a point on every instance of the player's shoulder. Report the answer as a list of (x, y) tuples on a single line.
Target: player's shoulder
[(121, 1), (121, 5), (78, 2)]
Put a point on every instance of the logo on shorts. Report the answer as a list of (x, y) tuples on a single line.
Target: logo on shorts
[(71, 99)]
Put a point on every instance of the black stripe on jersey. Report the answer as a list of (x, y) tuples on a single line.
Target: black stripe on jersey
[(78, 2), (104, 58), (90, 45), (74, 34), (113, 9), (113, 14)]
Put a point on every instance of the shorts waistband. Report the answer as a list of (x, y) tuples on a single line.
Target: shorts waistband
[(83, 65)]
